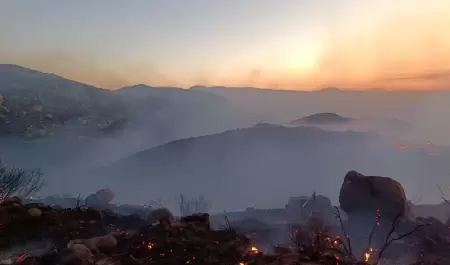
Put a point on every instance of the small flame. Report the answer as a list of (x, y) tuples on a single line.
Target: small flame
[(367, 254), (254, 250), (150, 245)]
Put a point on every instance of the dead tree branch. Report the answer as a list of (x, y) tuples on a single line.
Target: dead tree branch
[(157, 203), (372, 232), (19, 182), (390, 240), (229, 226), (442, 194), (77, 205), (337, 214)]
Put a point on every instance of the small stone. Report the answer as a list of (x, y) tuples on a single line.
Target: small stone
[(34, 212)]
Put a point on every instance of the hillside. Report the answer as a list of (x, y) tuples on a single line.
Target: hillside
[(336, 122), (267, 159), (323, 118), (35, 104), (79, 126)]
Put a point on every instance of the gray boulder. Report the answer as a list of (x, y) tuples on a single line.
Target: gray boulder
[(361, 194)]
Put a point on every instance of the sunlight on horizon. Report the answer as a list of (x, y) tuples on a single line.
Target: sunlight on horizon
[(290, 45)]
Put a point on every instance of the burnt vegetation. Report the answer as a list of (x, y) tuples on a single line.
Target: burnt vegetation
[(93, 232)]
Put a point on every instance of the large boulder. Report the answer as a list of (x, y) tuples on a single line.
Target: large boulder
[(361, 194), (93, 201), (99, 199), (198, 220), (161, 215), (105, 195)]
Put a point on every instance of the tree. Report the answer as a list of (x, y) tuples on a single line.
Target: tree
[(19, 182), (194, 205)]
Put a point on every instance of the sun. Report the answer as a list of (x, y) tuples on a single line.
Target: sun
[(303, 57)]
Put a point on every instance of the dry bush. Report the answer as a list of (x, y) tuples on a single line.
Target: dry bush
[(314, 240), (19, 182)]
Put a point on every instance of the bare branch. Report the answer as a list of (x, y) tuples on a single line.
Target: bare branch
[(158, 203), (372, 232), (347, 238), (78, 206), (390, 240), (442, 194), (229, 226), (19, 182)]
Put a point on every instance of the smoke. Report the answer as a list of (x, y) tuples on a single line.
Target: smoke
[(431, 118)]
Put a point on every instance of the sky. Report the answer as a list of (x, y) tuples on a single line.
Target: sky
[(282, 44)]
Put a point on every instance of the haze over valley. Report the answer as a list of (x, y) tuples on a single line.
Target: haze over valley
[(144, 140)]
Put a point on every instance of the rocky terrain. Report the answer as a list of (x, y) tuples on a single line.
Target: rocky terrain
[(35, 104), (35, 233)]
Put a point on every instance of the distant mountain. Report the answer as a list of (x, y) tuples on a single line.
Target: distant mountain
[(248, 164), (81, 126), (279, 106), (177, 95), (321, 119), (35, 104), (335, 122)]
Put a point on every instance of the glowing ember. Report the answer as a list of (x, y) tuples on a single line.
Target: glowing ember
[(367, 254), (22, 257), (150, 245), (254, 250)]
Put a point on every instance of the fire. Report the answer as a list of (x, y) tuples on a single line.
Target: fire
[(367, 254), (254, 250), (150, 245)]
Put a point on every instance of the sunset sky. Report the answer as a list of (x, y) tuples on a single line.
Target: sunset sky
[(283, 44)]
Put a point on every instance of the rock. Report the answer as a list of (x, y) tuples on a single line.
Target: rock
[(92, 201), (11, 200), (199, 220), (161, 215), (78, 254), (34, 212), (105, 195), (97, 244), (37, 108), (367, 194), (82, 252), (108, 261)]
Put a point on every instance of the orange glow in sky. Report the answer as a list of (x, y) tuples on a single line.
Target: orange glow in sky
[(300, 45)]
